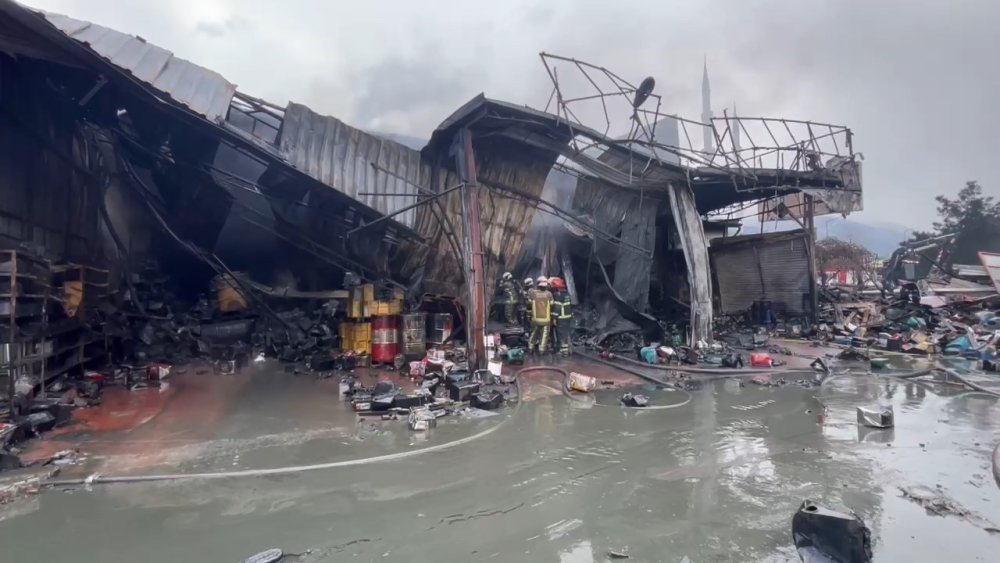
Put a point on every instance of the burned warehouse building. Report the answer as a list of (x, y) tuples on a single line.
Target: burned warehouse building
[(155, 213), (576, 328)]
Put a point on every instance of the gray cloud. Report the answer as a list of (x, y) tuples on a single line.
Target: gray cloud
[(412, 93), (914, 79), (231, 25)]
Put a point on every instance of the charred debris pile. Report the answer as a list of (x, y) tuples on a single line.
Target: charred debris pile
[(236, 321), (962, 334), (160, 324), (924, 308), (923, 305)]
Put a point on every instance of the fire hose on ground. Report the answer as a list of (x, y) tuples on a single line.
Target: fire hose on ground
[(110, 479), (733, 372), (575, 397), (107, 479), (745, 372)]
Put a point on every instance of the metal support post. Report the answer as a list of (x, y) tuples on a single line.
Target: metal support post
[(473, 242), (13, 355), (810, 228)]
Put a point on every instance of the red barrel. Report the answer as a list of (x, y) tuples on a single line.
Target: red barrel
[(385, 344)]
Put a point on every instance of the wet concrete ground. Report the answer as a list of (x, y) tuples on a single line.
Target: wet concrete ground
[(715, 479)]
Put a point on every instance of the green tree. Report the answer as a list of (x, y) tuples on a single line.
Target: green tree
[(973, 218)]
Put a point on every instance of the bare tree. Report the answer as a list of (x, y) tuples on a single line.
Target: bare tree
[(837, 254)]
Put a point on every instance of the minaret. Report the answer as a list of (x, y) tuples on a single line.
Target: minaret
[(706, 112), (735, 126)]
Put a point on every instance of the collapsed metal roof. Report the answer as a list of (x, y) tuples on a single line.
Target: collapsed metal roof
[(203, 91), (208, 97), (515, 147), (380, 173)]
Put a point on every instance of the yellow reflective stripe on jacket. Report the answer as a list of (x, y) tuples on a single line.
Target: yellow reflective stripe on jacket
[(561, 309), (540, 303)]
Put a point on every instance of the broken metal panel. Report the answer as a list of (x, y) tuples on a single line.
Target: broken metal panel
[(640, 167), (507, 219), (380, 173), (501, 165), (607, 208), (991, 262), (773, 267), (202, 90), (257, 118), (558, 190), (632, 270), (691, 232), (827, 202), (631, 216)]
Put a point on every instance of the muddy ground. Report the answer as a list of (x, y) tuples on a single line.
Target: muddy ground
[(716, 477)]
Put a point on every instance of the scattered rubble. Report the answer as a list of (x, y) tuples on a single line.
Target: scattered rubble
[(435, 396), (937, 503), (927, 317)]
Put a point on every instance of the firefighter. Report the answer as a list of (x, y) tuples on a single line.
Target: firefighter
[(511, 296), (527, 289), (562, 315), (541, 316)]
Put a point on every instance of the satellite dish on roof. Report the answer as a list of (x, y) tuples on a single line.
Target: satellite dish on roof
[(643, 91)]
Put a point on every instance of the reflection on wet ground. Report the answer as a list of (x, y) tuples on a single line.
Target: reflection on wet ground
[(716, 479)]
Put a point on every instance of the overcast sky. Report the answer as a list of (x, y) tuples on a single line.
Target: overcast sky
[(917, 81)]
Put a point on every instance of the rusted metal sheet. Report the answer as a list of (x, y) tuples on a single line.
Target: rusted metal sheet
[(504, 219), (370, 169), (202, 90)]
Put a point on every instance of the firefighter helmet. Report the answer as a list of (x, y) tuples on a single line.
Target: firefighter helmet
[(557, 283), (541, 280), (528, 282), (543, 283), (507, 276)]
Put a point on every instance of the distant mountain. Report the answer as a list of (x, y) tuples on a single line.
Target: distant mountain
[(881, 238)]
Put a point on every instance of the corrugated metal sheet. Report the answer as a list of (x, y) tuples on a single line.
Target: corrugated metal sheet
[(992, 264), (202, 90), (342, 156), (632, 218), (691, 232), (970, 270), (504, 220), (775, 267)]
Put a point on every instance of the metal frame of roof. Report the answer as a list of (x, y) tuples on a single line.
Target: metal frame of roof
[(620, 165)]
